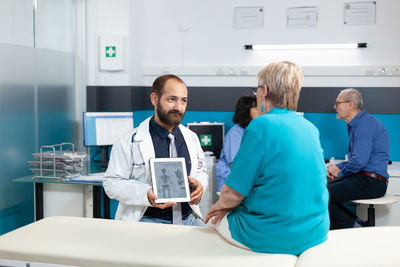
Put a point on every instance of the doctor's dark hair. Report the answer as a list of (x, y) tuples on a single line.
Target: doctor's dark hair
[(242, 111), (159, 83)]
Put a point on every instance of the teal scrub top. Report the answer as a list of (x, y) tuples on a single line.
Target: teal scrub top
[(280, 170)]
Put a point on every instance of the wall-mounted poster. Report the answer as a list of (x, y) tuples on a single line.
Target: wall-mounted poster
[(249, 18), (305, 16), (359, 13)]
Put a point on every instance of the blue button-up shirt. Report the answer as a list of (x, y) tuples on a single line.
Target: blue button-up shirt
[(231, 146), (368, 146)]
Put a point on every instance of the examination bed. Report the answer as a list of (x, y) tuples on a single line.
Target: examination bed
[(77, 241)]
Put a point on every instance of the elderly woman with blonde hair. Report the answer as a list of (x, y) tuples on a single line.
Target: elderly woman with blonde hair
[(275, 199)]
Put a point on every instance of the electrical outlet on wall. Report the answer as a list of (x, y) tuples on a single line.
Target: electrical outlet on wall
[(184, 26), (370, 72), (220, 71), (166, 70), (395, 70), (383, 70), (231, 71), (243, 71)]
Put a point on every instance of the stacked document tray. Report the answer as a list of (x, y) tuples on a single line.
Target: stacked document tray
[(56, 161)]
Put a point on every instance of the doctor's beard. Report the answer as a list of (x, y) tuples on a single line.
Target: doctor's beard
[(171, 117)]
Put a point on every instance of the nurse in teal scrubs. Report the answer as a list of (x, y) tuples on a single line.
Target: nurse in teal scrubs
[(275, 199)]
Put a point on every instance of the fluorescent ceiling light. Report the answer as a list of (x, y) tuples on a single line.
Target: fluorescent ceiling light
[(304, 46)]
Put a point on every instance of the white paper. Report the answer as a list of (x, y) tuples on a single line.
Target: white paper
[(110, 130), (94, 177), (249, 18), (359, 13), (302, 16)]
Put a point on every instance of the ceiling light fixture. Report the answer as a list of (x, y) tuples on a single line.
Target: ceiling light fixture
[(304, 46)]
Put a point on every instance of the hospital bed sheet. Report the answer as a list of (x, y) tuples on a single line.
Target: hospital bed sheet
[(98, 242), (356, 247)]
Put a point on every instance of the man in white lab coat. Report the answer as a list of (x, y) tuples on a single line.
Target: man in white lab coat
[(128, 177)]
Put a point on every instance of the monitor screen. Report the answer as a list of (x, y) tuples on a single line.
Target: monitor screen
[(104, 128)]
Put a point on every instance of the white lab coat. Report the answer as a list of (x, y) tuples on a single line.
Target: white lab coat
[(128, 177)]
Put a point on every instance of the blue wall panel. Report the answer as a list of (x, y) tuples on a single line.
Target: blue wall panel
[(334, 138), (17, 144), (333, 132)]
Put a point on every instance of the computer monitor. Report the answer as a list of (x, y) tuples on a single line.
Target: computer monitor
[(104, 128)]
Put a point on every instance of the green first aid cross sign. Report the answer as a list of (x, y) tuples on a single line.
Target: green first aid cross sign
[(111, 51), (206, 139)]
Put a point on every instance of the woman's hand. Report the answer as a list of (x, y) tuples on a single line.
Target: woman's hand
[(228, 200), (216, 213)]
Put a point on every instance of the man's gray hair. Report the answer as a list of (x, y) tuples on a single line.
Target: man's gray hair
[(353, 95)]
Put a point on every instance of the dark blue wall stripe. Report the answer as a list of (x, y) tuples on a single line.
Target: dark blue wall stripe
[(312, 99)]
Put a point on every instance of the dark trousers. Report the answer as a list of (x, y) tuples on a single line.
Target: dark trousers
[(351, 187)]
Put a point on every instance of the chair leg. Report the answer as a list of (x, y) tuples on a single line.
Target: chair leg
[(371, 215)]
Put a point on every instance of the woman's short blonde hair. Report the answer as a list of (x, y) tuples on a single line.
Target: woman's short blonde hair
[(284, 80)]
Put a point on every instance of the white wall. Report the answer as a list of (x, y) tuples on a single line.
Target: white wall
[(156, 45), (53, 21), (16, 20), (55, 25), (107, 17)]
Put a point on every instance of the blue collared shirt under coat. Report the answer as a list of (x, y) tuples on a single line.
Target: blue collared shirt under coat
[(368, 146)]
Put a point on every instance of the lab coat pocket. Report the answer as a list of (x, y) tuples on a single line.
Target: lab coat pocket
[(138, 171)]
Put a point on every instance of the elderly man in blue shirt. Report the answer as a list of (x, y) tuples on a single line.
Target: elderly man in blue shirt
[(364, 175)]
